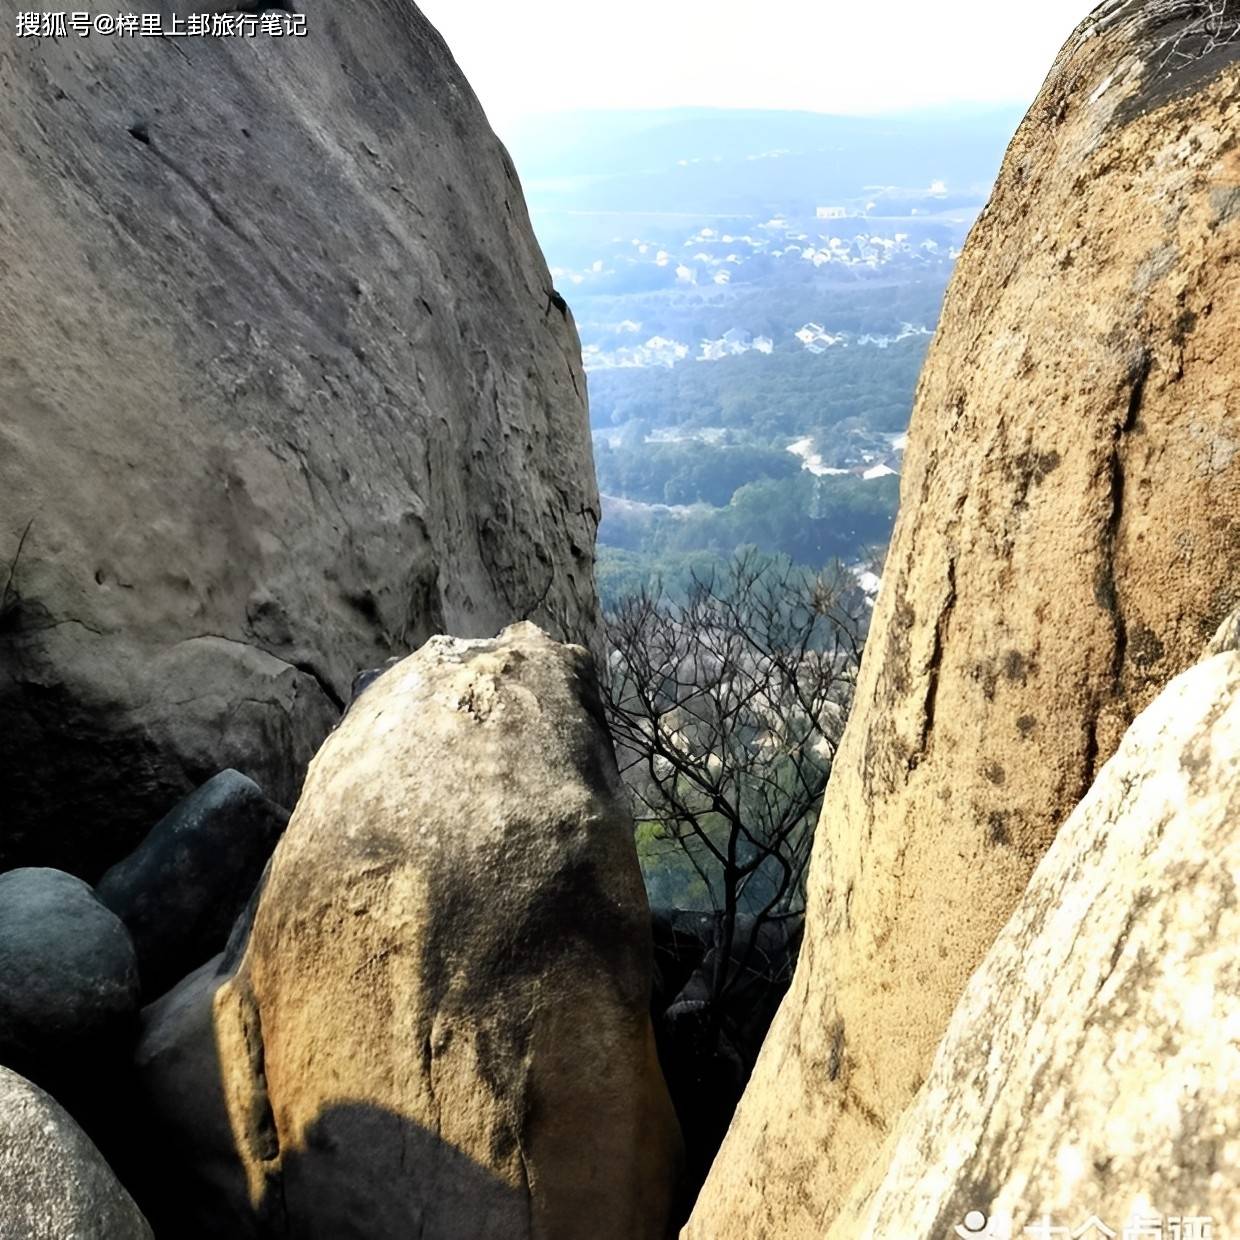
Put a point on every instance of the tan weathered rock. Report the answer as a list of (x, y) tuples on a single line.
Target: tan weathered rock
[(284, 392), (1090, 1067), (440, 1024), (1069, 537), (54, 1183)]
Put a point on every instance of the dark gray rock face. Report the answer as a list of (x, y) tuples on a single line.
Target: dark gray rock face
[(192, 1182), (54, 1183), (285, 393), (181, 891), (68, 974)]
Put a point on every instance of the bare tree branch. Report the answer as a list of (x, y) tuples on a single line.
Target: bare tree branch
[(727, 708)]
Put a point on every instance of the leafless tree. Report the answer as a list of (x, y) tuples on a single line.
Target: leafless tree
[(727, 708), (1203, 29)]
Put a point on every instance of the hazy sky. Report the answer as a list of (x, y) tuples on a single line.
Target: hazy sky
[(864, 56)]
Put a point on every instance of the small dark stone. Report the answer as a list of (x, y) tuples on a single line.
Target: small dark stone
[(184, 886), (364, 679)]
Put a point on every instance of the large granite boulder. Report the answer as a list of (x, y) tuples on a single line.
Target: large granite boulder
[(1069, 537), (54, 1184), (1090, 1067), (69, 987), (181, 891), (438, 1024), (285, 391)]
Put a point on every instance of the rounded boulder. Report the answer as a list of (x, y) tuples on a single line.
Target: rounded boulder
[(68, 972), (181, 890), (54, 1183)]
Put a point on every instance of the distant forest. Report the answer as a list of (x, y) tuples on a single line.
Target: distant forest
[(755, 294), (785, 394)]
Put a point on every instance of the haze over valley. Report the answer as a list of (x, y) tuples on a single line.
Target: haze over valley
[(755, 293)]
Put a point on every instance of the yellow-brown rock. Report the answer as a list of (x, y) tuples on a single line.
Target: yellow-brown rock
[(1069, 538), (1090, 1067), (440, 1023)]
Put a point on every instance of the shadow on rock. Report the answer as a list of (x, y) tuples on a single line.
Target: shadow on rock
[(710, 1022), (326, 1191)]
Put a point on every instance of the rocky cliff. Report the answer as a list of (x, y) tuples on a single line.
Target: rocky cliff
[(1070, 534), (284, 389)]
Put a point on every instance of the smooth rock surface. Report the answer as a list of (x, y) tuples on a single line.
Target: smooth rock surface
[(284, 393), (180, 892), (1090, 1066), (192, 1181), (440, 1022), (1069, 538), (69, 986), (54, 1184)]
